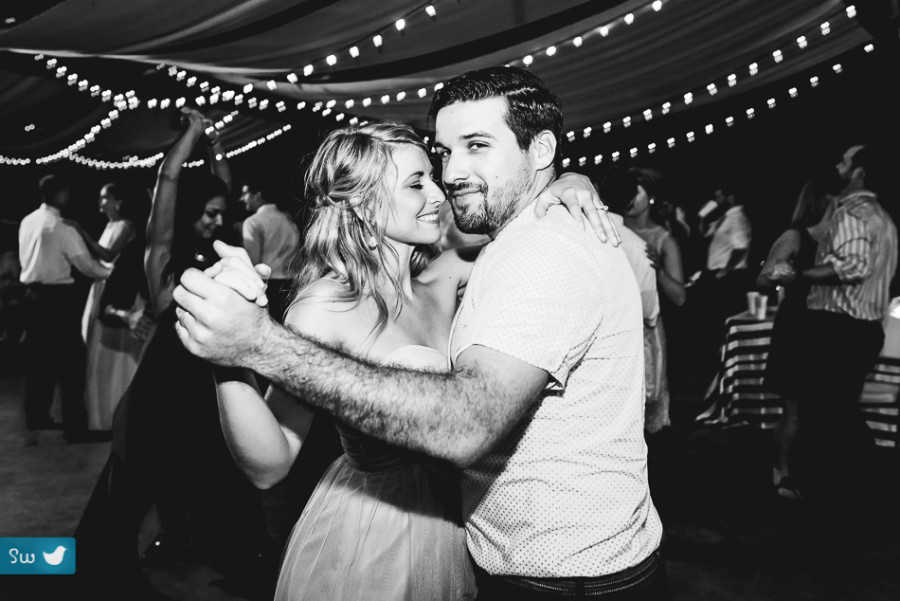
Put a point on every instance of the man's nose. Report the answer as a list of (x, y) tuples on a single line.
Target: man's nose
[(454, 170)]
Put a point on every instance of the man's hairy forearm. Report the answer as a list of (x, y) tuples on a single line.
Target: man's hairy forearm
[(441, 414)]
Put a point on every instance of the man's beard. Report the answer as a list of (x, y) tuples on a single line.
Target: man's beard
[(495, 209)]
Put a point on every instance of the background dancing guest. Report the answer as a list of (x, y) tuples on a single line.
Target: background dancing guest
[(270, 237), (843, 328), (619, 190), (54, 351), (793, 251), (112, 351), (167, 445)]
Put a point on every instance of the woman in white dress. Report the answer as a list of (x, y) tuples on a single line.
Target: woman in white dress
[(112, 350)]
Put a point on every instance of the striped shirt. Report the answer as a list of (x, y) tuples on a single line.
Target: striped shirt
[(861, 243)]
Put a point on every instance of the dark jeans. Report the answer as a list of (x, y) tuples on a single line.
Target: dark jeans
[(709, 303), (643, 582), (836, 445), (54, 353)]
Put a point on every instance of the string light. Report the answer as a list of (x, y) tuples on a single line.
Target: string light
[(709, 128), (689, 97), (86, 139), (579, 41)]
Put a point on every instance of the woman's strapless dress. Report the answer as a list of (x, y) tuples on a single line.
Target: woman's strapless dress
[(383, 523)]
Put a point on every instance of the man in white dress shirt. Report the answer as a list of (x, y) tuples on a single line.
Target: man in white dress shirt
[(270, 237), (54, 352)]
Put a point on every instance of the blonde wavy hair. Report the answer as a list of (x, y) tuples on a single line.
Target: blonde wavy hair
[(349, 185)]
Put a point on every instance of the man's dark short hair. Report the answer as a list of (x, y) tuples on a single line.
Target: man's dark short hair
[(874, 161), (531, 108), (50, 185)]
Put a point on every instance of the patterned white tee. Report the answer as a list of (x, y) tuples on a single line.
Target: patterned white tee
[(566, 493)]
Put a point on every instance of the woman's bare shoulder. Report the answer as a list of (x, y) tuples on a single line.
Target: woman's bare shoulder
[(323, 311)]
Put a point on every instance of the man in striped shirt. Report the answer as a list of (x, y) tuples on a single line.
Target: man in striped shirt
[(847, 303)]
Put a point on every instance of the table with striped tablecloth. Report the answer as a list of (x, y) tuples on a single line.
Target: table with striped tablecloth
[(740, 395)]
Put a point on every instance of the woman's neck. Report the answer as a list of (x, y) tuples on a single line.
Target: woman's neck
[(398, 268), (641, 221)]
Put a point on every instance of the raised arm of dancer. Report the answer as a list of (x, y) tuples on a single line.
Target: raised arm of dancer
[(217, 160), (161, 225)]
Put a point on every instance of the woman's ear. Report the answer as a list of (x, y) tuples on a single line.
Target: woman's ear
[(357, 208)]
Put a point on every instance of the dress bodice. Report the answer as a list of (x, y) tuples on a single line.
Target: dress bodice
[(368, 454)]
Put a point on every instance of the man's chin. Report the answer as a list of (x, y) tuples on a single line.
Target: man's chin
[(473, 225)]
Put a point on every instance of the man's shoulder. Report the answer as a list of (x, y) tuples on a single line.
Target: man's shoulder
[(555, 244), (35, 215), (555, 233)]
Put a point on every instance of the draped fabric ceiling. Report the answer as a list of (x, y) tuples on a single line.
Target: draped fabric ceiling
[(631, 58)]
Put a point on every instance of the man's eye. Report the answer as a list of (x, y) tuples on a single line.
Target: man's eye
[(477, 145)]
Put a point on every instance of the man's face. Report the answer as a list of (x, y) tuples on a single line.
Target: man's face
[(249, 199), (485, 173)]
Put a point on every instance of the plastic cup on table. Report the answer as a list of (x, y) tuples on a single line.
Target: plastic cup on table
[(762, 302), (752, 302)]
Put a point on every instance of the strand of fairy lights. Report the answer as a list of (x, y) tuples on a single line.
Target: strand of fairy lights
[(777, 56), (709, 128), (354, 50), (121, 101), (130, 163), (328, 107), (129, 100), (602, 31), (552, 50), (217, 94), (83, 141), (151, 161)]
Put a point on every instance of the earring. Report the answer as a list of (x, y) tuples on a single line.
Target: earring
[(652, 200), (372, 242)]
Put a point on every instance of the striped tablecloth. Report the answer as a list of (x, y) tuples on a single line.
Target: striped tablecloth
[(740, 395)]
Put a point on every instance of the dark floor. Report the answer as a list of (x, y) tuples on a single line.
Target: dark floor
[(727, 535)]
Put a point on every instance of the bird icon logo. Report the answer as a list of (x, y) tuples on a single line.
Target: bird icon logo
[(55, 558)]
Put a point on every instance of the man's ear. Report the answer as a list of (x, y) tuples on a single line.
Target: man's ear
[(543, 149)]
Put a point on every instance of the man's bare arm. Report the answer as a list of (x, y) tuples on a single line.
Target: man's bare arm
[(454, 416)]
